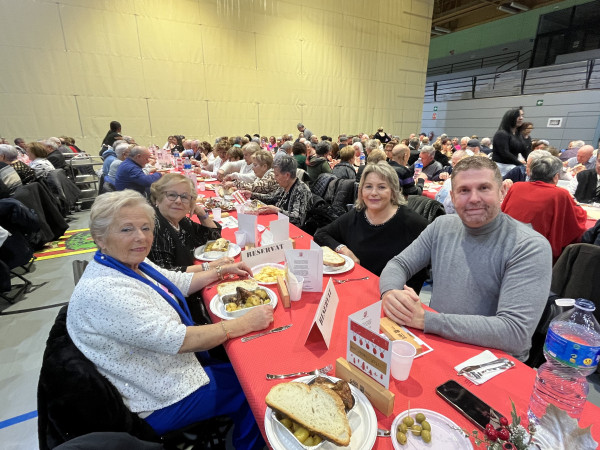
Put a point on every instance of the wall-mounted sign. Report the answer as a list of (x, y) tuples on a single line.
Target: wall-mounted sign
[(555, 122), (435, 108), (539, 103)]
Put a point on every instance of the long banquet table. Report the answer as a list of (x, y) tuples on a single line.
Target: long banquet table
[(286, 352)]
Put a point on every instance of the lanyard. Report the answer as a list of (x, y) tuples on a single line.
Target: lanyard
[(184, 313)]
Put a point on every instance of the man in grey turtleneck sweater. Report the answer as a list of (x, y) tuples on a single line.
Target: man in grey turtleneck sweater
[(491, 273)]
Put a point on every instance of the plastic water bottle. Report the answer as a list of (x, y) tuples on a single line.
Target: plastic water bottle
[(418, 167), (176, 158), (362, 159), (572, 350)]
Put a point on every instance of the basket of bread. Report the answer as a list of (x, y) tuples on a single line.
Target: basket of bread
[(313, 413), (238, 297)]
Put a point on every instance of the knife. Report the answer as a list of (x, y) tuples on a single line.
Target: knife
[(274, 330), (479, 366)]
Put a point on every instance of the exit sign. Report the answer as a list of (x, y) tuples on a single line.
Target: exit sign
[(539, 103), (435, 108)]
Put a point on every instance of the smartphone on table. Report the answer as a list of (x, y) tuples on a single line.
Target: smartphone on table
[(468, 404)]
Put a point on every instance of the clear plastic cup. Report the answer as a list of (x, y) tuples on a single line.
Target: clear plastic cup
[(295, 283), (240, 238), (202, 186), (403, 353), (216, 214)]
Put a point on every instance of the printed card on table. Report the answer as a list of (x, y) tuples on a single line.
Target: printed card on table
[(307, 264), (368, 350), (272, 253), (247, 224), (280, 228), (322, 324)]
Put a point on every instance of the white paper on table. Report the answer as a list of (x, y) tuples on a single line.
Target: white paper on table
[(482, 358), (229, 222), (322, 323), (247, 224), (367, 349), (307, 264), (272, 253), (280, 229)]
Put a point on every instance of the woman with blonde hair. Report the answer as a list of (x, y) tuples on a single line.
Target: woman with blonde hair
[(379, 227)]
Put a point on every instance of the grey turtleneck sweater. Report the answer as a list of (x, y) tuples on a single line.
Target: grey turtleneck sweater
[(490, 284)]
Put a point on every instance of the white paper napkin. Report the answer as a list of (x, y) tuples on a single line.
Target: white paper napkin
[(482, 358)]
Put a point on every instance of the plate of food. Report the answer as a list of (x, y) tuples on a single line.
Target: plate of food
[(437, 431), (316, 408), (335, 263), (213, 250), (236, 298), (206, 179), (253, 205), (267, 274), (216, 202)]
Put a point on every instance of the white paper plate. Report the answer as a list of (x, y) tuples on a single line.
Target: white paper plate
[(206, 180), (256, 269), (328, 270), (217, 308), (363, 423), (232, 252), (442, 435)]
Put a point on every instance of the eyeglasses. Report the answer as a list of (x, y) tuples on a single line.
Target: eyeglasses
[(172, 196)]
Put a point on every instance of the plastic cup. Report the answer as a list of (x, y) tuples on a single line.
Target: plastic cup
[(239, 207), (295, 284), (240, 238), (202, 186), (403, 354), (216, 214)]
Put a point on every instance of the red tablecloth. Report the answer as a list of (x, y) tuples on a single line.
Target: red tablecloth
[(286, 352)]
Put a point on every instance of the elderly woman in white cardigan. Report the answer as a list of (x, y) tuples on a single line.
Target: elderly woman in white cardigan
[(129, 317)]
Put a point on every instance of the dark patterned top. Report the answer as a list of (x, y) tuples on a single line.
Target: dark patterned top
[(26, 173), (294, 203), (174, 250)]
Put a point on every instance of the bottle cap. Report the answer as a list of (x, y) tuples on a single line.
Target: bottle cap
[(585, 305)]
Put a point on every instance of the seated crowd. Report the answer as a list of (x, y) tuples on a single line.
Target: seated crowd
[(506, 223)]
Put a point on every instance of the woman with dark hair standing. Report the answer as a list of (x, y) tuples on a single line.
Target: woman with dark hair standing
[(507, 144), (524, 132)]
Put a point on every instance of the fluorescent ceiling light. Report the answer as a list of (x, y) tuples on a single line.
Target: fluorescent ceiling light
[(442, 29), (519, 6), (507, 10), (437, 33)]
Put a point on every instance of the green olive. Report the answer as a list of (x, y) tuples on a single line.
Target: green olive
[(420, 417), (426, 436), (416, 430), (409, 421), (401, 438), (402, 427), (287, 423), (425, 425)]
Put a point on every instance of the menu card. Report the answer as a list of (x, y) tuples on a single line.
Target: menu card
[(322, 324), (247, 224), (272, 253), (307, 264), (280, 228), (367, 349)]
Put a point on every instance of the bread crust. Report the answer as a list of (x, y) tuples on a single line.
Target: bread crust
[(331, 258), (280, 397)]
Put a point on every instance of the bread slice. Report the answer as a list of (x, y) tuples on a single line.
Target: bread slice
[(229, 288), (317, 408), (331, 258)]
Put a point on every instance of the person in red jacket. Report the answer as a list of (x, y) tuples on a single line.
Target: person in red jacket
[(549, 209)]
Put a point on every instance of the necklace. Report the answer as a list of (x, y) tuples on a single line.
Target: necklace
[(382, 223), (174, 225)]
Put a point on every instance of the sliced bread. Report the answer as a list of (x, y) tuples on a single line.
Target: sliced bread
[(317, 408), (230, 287), (331, 258)]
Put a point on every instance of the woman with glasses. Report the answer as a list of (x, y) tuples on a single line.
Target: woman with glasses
[(176, 235)]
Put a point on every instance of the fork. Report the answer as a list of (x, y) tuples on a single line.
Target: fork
[(479, 374), (350, 279), (297, 374)]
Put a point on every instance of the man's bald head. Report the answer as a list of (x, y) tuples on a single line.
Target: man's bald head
[(400, 154), (584, 154)]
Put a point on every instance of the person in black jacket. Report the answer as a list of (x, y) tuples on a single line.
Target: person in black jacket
[(587, 185), (400, 154), (507, 145), (344, 169)]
